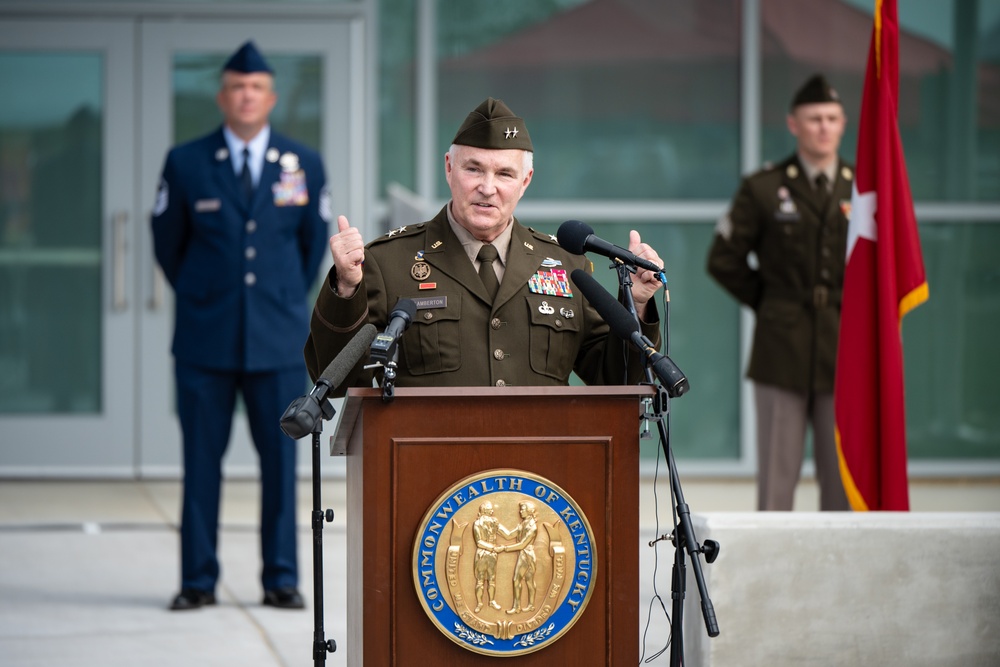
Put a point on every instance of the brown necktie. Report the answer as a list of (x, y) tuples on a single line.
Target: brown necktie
[(487, 254)]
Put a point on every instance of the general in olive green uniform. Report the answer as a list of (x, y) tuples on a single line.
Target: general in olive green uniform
[(537, 330), (797, 229)]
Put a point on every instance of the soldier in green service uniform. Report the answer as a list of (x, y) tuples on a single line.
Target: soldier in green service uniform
[(495, 305), (793, 218)]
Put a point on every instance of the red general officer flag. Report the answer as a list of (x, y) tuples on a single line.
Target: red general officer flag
[(883, 280)]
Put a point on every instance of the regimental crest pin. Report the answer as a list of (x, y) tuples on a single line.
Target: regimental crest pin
[(504, 562)]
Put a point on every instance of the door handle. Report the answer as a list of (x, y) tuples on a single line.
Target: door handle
[(156, 295), (119, 252)]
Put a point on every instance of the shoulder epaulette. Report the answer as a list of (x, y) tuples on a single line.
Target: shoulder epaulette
[(542, 236), (399, 232)]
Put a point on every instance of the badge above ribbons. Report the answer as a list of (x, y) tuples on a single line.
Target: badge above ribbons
[(504, 562)]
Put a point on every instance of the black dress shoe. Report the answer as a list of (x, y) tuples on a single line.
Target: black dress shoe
[(284, 598), (191, 598)]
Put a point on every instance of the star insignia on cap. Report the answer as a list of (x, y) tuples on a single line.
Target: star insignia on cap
[(510, 134)]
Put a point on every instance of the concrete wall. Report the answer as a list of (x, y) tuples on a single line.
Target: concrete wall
[(810, 588)]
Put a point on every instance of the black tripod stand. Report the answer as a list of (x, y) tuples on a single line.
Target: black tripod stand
[(306, 415), (682, 536)]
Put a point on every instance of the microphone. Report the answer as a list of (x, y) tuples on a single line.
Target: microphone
[(578, 237), (384, 346), (625, 327), (304, 413)]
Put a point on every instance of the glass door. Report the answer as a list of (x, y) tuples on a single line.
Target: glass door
[(66, 232), (320, 85)]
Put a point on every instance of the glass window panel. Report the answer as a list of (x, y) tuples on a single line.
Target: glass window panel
[(397, 94), (50, 233), (950, 348), (623, 100), (949, 90), (703, 331)]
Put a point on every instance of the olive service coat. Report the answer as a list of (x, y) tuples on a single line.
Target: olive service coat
[(241, 273), (796, 290), (457, 337)]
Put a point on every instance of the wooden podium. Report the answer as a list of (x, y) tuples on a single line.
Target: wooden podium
[(404, 454)]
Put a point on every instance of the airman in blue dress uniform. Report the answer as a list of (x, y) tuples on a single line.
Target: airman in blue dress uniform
[(240, 229)]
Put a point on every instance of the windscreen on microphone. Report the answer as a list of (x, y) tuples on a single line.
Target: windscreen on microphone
[(344, 363), (406, 308), (572, 236), (619, 319)]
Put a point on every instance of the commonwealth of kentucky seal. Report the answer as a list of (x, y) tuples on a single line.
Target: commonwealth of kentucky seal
[(504, 562)]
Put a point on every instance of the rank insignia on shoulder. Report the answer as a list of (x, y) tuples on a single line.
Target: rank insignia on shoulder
[(399, 230), (550, 283), (162, 198)]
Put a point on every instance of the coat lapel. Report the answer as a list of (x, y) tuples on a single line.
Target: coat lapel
[(454, 264), (523, 260)]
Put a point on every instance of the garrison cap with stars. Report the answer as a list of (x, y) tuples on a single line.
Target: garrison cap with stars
[(493, 125), (815, 91), (247, 60)]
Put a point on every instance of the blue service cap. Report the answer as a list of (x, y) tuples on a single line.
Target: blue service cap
[(247, 60)]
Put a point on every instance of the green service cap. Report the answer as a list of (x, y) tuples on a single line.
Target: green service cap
[(493, 125), (816, 90)]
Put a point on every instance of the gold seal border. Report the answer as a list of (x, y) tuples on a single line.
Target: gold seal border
[(453, 634)]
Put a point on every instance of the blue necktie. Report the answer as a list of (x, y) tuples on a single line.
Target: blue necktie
[(245, 178)]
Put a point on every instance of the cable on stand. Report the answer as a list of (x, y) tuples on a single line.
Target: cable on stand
[(682, 536)]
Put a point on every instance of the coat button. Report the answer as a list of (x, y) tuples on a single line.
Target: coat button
[(501, 383), (251, 226), (495, 323), (250, 279), (824, 274), (250, 252), (428, 315), (558, 323), (498, 354)]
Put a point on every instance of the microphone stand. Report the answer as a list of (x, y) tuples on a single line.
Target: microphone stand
[(682, 536), (325, 411), (389, 379)]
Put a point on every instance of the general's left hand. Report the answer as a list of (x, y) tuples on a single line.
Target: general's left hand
[(645, 283)]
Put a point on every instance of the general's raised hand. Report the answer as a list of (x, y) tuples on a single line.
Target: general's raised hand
[(348, 250), (646, 283)]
